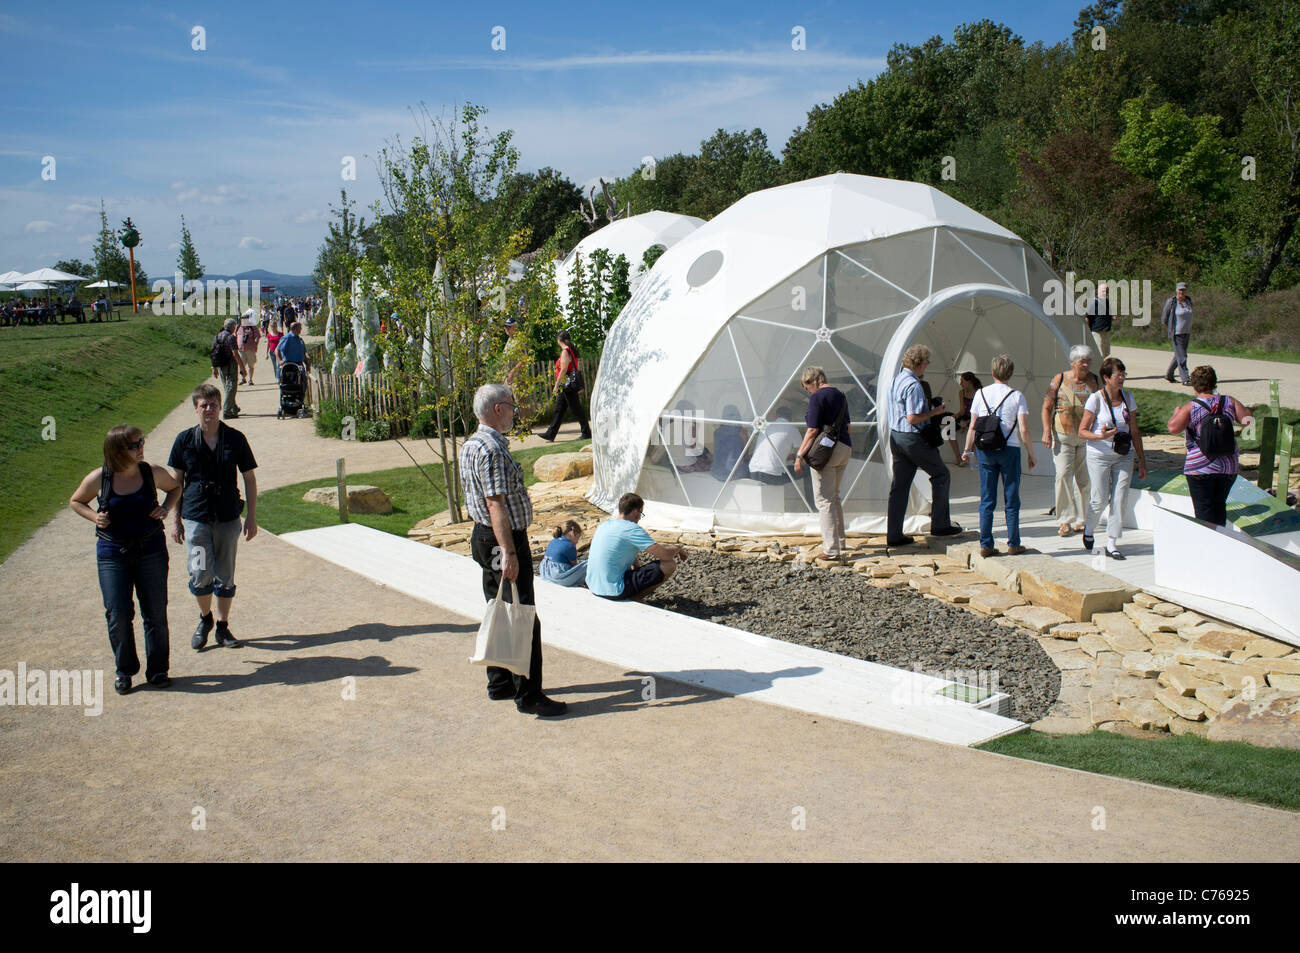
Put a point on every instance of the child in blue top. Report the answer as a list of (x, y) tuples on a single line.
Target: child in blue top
[(560, 565)]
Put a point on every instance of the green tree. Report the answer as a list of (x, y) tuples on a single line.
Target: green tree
[(110, 261), (188, 260), (546, 201), (729, 167), (75, 267), (656, 186), (339, 254)]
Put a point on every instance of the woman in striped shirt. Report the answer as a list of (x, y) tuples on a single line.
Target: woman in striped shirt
[(1209, 479)]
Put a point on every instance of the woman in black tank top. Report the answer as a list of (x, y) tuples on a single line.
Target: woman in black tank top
[(131, 550)]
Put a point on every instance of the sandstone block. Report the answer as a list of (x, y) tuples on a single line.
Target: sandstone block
[(882, 571), (1063, 725), (1283, 666), (1214, 697), (1237, 677), (1001, 571), (1141, 664), (1074, 630), (1145, 600), (1121, 633), (947, 593), (1186, 620), (1167, 609), (1037, 618), (1183, 679), (1148, 622), (1123, 728), (1146, 713), (1271, 719), (1217, 638), (1104, 710), (361, 499), (963, 577), (1074, 661), (1132, 686), (1076, 591), (1268, 648), (1181, 726), (557, 467), (1287, 683), (993, 600), (1089, 642), (1110, 660), (1181, 705), (919, 570), (1167, 642), (920, 583)]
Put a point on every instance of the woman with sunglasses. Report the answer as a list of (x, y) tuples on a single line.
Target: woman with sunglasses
[(131, 550)]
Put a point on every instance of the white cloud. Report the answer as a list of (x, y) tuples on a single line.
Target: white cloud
[(177, 186), (306, 218), (39, 225), (81, 207), (248, 241), (186, 196), (87, 238), (174, 246), (781, 58)]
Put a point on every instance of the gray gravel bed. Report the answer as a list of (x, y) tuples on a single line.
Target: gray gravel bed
[(841, 612)]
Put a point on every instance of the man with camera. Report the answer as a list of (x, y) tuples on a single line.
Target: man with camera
[(204, 460)]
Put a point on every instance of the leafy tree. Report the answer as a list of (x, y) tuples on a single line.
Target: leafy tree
[(110, 261), (1177, 152), (75, 267), (656, 187), (546, 200), (729, 167), (188, 259), (337, 258)]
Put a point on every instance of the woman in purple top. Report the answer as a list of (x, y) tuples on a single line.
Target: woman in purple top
[(1209, 478)]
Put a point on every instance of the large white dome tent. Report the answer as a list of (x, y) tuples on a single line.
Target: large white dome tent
[(842, 271), (631, 237)]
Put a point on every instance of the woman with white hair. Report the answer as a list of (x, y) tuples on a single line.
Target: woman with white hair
[(1062, 412)]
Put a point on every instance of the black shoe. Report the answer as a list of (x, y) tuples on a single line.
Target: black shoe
[(200, 637), (160, 680), (1087, 542), (1169, 378), (548, 438), (1114, 553), (501, 694), (585, 436), (542, 707), (122, 685), (224, 637), (953, 530), (901, 541)]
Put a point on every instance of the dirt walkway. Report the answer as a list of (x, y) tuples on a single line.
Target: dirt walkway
[(1244, 379), (261, 745)]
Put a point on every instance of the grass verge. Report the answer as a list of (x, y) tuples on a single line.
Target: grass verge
[(65, 386), (1155, 407), (1222, 768), (283, 510)]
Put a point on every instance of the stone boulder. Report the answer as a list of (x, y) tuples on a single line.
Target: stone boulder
[(557, 467), (361, 499), (1271, 719)]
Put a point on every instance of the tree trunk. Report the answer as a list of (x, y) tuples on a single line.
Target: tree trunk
[(1282, 236), (446, 469)]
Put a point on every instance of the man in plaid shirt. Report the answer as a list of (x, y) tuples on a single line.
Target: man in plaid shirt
[(497, 501)]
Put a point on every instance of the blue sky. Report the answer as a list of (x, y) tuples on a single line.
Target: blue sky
[(247, 137)]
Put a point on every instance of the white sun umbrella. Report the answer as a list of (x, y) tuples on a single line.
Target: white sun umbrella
[(105, 283), (33, 286), (50, 274), (10, 277)]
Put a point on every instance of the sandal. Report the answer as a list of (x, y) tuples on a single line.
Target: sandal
[(1079, 527), (1114, 553), (1065, 530)]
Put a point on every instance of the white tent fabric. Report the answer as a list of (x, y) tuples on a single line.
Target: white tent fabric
[(630, 237), (845, 272)]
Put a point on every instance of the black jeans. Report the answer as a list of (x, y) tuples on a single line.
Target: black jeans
[(1209, 493), (565, 400), (912, 453), (483, 545), (146, 576)]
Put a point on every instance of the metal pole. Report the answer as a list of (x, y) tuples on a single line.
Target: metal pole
[(134, 308)]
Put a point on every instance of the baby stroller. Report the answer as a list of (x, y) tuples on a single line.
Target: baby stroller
[(293, 390)]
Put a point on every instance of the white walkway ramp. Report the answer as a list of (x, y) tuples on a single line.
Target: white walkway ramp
[(642, 638)]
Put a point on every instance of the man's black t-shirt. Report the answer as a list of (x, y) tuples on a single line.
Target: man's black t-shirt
[(211, 487)]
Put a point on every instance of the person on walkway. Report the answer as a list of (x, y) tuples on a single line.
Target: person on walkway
[(498, 503), (1176, 316), (273, 338), (614, 548), (1062, 414), (1098, 314), (1002, 401), (1110, 427), (561, 565), (828, 407), (131, 551), (227, 361), (204, 460), (908, 412), (569, 385), (1210, 475), (292, 349), (248, 336)]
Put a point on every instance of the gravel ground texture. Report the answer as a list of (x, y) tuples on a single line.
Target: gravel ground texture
[(842, 612)]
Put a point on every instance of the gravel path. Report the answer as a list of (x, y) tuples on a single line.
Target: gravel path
[(841, 612)]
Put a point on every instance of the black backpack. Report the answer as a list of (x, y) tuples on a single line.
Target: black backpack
[(106, 486), (988, 428), (1215, 436), (223, 349)]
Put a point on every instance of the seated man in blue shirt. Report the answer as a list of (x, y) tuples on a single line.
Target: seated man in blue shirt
[(614, 548)]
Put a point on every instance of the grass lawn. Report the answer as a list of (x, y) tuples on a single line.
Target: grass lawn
[(1155, 407), (282, 510), (1233, 769), (87, 378)]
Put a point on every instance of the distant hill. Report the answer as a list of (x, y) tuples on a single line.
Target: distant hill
[(284, 284)]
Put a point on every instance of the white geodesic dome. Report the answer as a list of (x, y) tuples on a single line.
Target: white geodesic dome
[(845, 272), (631, 237)]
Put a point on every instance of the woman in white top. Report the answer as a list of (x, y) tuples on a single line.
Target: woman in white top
[(1008, 405), (1110, 426)]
